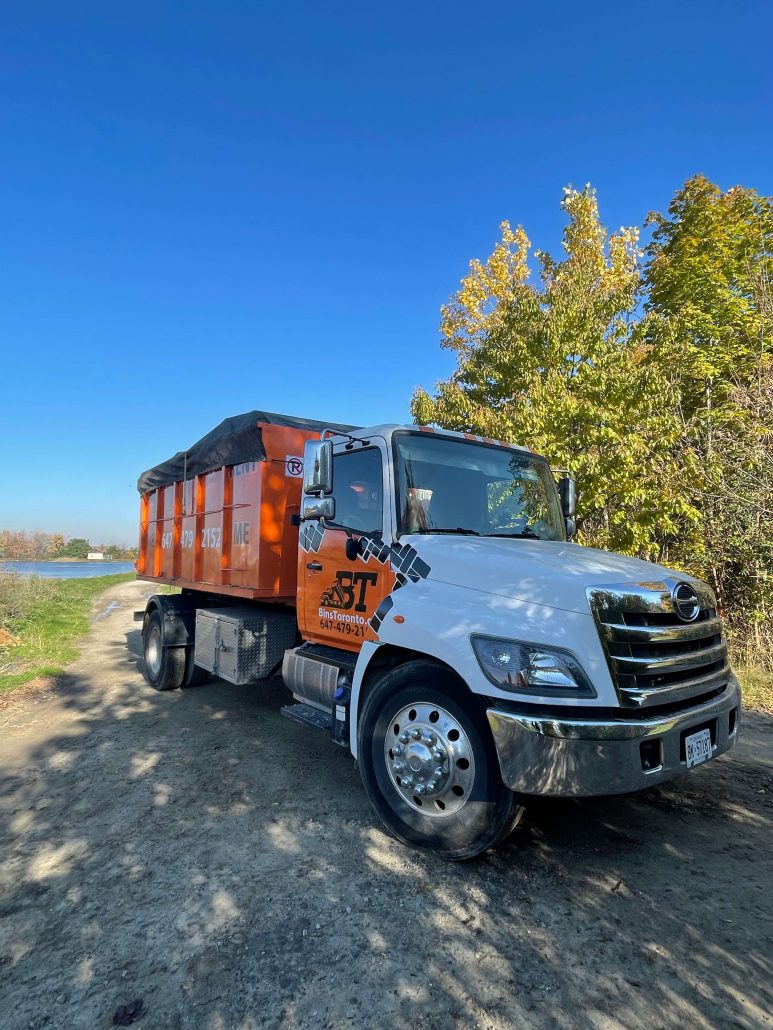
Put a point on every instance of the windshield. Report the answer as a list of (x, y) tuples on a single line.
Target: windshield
[(448, 485)]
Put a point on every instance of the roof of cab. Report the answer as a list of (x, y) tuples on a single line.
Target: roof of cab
[(389, 428)]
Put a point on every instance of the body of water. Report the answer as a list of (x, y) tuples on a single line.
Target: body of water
[(67, 569)]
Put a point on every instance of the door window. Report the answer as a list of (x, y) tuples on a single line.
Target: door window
[(358, 491)]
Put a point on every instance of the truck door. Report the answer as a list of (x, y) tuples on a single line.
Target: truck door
[(339, 594)]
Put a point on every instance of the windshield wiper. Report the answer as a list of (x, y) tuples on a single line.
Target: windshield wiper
[(459, 530), (522, 533)]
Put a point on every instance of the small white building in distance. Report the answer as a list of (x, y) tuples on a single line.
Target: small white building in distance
[(96, 555)]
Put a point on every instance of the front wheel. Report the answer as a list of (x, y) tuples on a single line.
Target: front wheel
[(429, 766)]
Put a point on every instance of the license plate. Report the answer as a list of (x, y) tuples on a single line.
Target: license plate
[(697, 747)]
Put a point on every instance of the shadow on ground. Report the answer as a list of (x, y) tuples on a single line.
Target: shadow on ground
[(198, 851)]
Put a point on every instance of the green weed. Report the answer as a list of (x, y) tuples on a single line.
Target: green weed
[(41, 622)]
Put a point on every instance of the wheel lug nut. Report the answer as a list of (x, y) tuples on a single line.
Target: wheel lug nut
[(408, 781), (431, 785), (420, 790), (439, 753), (438, 772), (404, 738), (416, 734), (398, 750), (429, 739), (398, 767)]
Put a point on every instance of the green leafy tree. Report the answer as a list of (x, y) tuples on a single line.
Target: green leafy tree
[(76, 548), (653, 385), (710, 318), (708, 270), (118, 552), (558, 365)]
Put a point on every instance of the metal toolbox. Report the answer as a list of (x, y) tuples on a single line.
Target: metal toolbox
[(243, 644)]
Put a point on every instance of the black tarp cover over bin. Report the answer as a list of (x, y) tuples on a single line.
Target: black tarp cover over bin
[(234, 441)]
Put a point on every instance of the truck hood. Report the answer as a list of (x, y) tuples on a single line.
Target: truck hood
[(553, 573)]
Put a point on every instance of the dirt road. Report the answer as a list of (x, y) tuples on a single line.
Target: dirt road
[(198, 851)]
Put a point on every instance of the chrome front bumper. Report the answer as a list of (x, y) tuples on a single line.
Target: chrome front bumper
[(578, 756)]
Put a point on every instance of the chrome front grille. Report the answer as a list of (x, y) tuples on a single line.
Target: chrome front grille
[(655, 657)]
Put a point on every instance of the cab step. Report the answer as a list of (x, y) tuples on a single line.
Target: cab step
[(308, 716)]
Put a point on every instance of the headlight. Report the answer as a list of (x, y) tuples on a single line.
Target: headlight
[(530, 669)]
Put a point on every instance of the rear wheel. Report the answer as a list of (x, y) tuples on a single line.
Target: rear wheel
[(194, 674), (164, 666), (429, 766)]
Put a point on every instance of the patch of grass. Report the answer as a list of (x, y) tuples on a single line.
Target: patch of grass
[(43, 620), (756, 688)]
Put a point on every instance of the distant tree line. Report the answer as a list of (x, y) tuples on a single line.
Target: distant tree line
[(646, 372), (37, 546)]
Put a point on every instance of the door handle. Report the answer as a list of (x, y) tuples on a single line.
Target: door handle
[(314, 566)]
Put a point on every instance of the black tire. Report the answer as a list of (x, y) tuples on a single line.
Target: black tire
[(194, 674), (164, 666), (467, 809)]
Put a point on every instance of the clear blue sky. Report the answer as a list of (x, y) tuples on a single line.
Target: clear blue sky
[(210, 207)]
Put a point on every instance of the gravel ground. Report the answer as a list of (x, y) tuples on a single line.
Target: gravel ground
[(198, 851)]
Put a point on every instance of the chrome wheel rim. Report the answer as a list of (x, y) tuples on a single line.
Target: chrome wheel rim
[(153, 651), (430, 759)]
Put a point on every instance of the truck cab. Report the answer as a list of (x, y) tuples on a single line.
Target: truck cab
[(444, 562), (448, 632)]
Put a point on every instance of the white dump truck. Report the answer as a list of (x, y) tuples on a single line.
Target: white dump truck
[(420, 593)]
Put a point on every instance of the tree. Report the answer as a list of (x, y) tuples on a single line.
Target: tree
[(706, 275), (76, 548), (653, 385), (559, 366), (56, 546), (709, 315)]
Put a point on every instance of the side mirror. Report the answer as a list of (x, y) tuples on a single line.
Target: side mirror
[(318, 468), (318, 508), (567, 491)]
